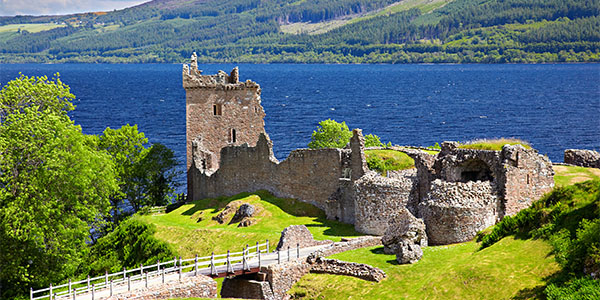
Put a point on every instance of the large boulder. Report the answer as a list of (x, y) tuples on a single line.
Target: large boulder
[(404, 237), (582, 158), (295, 235)]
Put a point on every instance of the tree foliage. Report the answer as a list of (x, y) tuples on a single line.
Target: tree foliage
[(330, 134), (60, 189), (53, 185)]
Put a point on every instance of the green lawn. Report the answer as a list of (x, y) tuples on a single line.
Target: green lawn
[(567, 175), (511, 268), (191, 230), (388, 160)]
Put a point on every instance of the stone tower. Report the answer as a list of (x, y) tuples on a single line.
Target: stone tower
[(221, 111)]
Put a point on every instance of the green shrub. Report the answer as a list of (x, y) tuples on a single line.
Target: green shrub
[(130, 244), (578, 288)]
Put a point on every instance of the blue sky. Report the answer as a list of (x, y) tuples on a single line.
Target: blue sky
[(56, 7)]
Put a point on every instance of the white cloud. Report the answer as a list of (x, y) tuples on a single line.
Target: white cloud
[(58, 7)]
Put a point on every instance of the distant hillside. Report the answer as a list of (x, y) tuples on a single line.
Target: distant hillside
[(336, 31)]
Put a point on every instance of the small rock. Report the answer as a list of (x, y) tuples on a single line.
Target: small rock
[(408, 252), (244, 211)]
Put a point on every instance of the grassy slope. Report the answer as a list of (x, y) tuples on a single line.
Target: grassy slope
[(400, 160), (493, 144), (189, 237), (445, 272)]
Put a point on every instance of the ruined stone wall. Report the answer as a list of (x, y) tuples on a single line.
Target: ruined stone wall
[(455, 211), (378, 200), (528, 176), (195, 286), (308, 175)]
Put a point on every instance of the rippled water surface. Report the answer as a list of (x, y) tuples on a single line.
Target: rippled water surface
[(552, 106)]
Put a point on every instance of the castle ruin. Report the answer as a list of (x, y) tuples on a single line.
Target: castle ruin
[(456, 192)]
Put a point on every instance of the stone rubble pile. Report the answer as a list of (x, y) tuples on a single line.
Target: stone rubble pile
[(405, 237)]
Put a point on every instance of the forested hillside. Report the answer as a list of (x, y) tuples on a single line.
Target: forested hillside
[(390, 31)]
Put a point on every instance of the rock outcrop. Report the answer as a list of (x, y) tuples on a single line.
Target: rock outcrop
[(405, 237), (582, 158), (295, 235)]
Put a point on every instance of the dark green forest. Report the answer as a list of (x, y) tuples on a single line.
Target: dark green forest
[(380, 31)]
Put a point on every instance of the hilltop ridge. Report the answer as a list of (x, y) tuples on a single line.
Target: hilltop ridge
[(340, 31)]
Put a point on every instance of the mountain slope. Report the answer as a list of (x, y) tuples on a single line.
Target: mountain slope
[(362, 31)]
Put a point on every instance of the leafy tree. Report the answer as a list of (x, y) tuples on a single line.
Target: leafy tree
[(330, 134), (53, 185), (372, 140), (126, 147), (146, 175)]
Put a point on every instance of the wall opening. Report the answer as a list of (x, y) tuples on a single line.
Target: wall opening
[(217, 109), (233, 136), (475, 170)]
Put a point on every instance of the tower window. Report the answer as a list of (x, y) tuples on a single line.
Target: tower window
[(217, 109), (233, 136)]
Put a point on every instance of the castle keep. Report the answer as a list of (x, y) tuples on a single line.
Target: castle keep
[(221, 111), (456, 192)]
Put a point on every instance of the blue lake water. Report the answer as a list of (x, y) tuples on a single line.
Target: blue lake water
[(554, 107)]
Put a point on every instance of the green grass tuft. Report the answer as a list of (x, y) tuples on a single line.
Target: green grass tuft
[(568, 175), (493, 144), (388, 160)]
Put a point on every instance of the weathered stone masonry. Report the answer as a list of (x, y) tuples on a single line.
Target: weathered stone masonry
[(457, 192), (220, 111)]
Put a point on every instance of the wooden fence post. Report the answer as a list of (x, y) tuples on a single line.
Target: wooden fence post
[(69, 286), (88, 282), (146, 279), (111, 287), (163, 275), (93, 291), (297, 250), (258, 253), (213, 269), (106, 277), (74, 294), (256, 246), (229, 268), (196, 265), (288, 253), (244, 261), (180, 268), (158, 266), (278, 256), (267, 245), (50, 291), (141, 269), (129, 283), (30, 293)]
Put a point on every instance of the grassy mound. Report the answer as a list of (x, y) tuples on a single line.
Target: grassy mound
[(191, 230), (445, 272), (493, 144), (388, 160)]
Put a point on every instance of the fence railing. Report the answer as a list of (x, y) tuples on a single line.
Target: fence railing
[(108, 281), (157, 210)]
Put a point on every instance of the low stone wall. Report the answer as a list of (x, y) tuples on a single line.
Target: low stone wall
[(246, 289), (454, 211), (582, 158), (283, 276), (196, 286), (378, 200), (338, 267), (351, 244)]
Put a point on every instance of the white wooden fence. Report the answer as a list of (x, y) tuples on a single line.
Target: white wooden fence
[(207, 264)]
